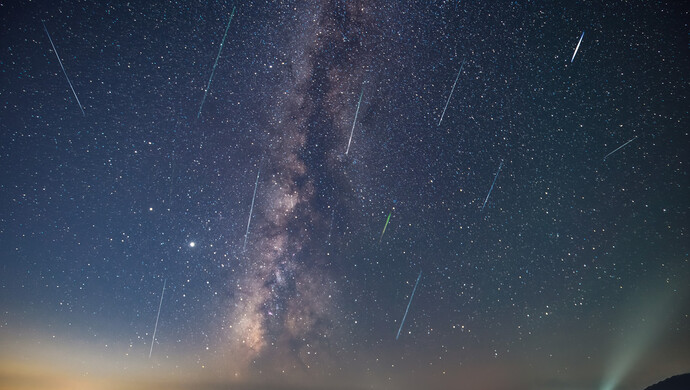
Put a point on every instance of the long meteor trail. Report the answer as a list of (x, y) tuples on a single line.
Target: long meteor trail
[(160, 304), (63, 69), (354, 122), (208, 86), (492, 185), (578, 47), (251, 210), (385, 226), (408, 304), (451, 92), (620, 147)]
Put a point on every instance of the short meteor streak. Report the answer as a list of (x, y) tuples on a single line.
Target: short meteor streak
[(354, 122), (160, 304), (578, 47), (63, 69), (385, 226), (492, 185), (451, 92), (408, 304), (620, 147), (251, 210), (208, 86), (330, 229)]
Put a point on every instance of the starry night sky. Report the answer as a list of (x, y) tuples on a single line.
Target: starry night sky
[(543, 264)]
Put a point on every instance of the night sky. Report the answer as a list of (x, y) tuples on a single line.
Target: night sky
[(457, 144)]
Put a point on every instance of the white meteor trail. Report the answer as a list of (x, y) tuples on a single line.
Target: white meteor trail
[(208, 86), (63, 69), (492, 185), (578, 47), (451, 92), (251, 210), (408, 304), (160, 304), (354, 122), (620, 147)]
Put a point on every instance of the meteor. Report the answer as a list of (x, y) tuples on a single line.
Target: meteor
[(620, 147), (208, 86), (451, 92), (330, 229), (578, 47), (63, 69), (251, 210), (354, 122), (385, 226), (408, 304), (160, 304), (492, 185)]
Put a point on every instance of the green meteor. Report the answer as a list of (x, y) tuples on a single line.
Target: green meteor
[(385, 226)]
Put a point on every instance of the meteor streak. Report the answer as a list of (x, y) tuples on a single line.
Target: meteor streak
[(408, 304), (208, 86), (620, 147), (160, 304), (354, 122), (578, 47), (330, 229), (492, 185), (451, 92), (63, 69), (385, 226), (251, 210)]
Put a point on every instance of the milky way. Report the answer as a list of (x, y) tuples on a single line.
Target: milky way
[(284, 302)]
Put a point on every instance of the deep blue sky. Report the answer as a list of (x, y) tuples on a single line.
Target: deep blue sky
[(574, 274)]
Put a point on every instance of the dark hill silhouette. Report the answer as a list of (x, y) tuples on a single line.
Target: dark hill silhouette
[(678, 382)]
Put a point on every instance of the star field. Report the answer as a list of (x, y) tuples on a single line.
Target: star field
[(299, 173)]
